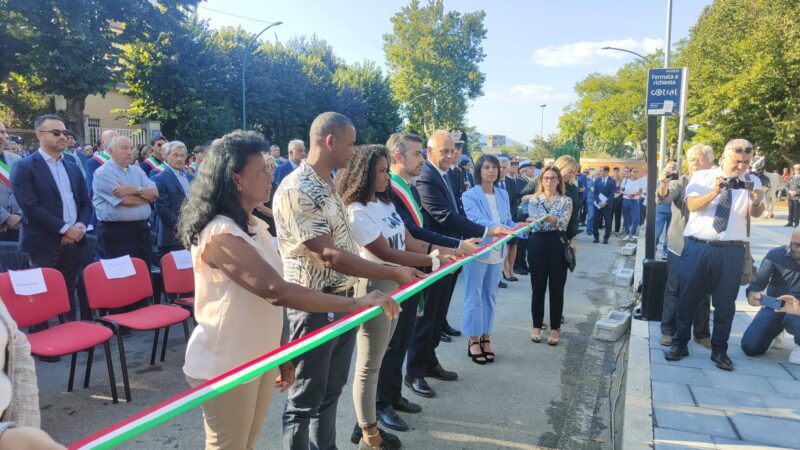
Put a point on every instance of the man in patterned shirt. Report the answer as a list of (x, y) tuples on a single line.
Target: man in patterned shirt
[(319, 252)]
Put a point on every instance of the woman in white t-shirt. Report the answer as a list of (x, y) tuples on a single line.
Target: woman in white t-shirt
[(632, 189), (239, 289), (379, 231)]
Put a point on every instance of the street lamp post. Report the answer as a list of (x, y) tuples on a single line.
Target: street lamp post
[(541, 128), (247, 50), (643, 58)]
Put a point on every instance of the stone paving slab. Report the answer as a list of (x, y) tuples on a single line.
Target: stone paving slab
[(787, 388), (739, 382), (676, 374), (668, 439), (769, 430), (665, 391), (727, 400), (732, 444), (694, 419)]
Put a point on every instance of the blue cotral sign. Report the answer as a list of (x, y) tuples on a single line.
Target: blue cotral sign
[(666, 92)]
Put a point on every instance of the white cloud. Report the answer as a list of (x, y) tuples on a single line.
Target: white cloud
[(588, 52), (525, 93)]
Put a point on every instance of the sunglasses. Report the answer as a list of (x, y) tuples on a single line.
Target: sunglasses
[(747, 150), (56, 133)]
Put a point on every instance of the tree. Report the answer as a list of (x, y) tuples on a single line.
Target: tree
[(746, 84), (20, 104), (543, 148), (366, 82), (73, 47), (433, 60)]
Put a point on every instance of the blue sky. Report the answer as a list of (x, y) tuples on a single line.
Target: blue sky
[(535, 50)]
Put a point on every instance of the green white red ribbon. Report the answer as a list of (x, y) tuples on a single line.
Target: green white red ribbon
[(5, 174), (179, 404)]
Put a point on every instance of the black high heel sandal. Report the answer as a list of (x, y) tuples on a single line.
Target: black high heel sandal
[(479, 355), (488, 356), (511, 278)]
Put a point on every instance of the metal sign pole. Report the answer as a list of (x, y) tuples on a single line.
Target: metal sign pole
[(652, 176), (682, 118)]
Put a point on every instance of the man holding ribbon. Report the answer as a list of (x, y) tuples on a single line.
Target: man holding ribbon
[(10, 214), (714, 250)]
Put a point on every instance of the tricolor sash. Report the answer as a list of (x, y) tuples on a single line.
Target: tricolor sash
[(101, 157), (5, 174), (403, 190), (155, 164), (193, 167)]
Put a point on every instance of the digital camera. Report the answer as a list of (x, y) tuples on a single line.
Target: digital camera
[(672, 176), (735, 183)]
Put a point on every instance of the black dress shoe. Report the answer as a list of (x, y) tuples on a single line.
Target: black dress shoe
[(403, 405), (445, 338), (722, 361), (389, 418), (521, 271), (389, 438), (595, 241), (420, 387), (605, 241), (450, 330), (502, 285), (49, 359), (439, 373), (789, 225), (676, 352)]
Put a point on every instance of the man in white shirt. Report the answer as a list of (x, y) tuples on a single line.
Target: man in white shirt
[(713, 255)]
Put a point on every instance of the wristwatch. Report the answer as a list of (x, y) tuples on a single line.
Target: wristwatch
[(139, 190)]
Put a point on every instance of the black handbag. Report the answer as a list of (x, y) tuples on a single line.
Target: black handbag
[(569, 254)]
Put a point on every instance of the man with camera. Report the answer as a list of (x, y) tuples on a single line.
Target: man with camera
[(712, 261), (779, 275)]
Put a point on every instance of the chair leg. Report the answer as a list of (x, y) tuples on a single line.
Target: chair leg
[(114, 396), (124, 365), (164, 344), (88, 368), (186, 329), (72, 372), (155, 347)]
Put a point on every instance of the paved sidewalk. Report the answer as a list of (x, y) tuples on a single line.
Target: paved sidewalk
[(695, 405)]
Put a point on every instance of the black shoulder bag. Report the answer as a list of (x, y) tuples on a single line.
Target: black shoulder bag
[(569, 254)]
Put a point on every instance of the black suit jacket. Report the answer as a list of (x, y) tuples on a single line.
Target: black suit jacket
[(458, 179), (168, 206), (513, 188), (440, 213), (608, 189), (38, 196), (420, 233)]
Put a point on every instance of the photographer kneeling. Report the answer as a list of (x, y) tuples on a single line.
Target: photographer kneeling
[(712, 260), (779, 274)]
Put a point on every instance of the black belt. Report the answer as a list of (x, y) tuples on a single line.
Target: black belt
[(718, 243), (121, 223), (347, 292)]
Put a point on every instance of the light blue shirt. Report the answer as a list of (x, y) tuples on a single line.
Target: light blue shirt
[(181, 180), (70, 209), (108, 207)]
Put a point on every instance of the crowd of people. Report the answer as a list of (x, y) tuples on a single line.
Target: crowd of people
[(281, 249)]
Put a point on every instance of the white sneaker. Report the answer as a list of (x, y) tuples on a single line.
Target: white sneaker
[(778, 342), (794, 357)]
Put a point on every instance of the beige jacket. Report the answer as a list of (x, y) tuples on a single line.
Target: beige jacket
[(21, 370)]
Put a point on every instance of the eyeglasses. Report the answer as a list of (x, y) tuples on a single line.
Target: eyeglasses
[(795, 244), (747, 150), (56, 133), (549, 178)]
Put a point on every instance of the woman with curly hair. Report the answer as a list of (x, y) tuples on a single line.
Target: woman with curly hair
[(378, 229), (239, 288)]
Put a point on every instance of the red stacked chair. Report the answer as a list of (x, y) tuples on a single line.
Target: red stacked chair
[(67, 338), (178, 282), (104, 294)]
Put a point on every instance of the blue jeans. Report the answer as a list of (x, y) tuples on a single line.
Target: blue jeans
[(480, 294), (630, 215), (589, 217), (766, 325), (708, 269), (662, 225)]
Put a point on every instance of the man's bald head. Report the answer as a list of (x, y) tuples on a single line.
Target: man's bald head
[(441, 149), (331, 138), (106, 137)]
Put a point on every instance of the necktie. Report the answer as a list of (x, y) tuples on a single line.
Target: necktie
[(503, 185), (723, 212), (449, 190)]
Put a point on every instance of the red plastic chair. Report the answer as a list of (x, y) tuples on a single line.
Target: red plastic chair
[(59, 340), (177, 282), (103, 294)]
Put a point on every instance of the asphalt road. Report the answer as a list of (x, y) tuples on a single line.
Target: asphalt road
[(533, 397)]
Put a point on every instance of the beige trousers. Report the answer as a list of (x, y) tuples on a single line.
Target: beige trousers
[(233, 420), (372, 341)]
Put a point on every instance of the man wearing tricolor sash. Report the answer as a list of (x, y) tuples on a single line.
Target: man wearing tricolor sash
[(154, 164), (10, 214)]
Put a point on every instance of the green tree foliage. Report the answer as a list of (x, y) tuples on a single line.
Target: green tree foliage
[(20, 103), (744, 71), (73, 47), (433, 59), (542, 149), (367, 83)]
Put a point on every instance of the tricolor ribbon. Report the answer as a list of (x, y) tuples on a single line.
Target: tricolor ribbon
[(181, 403)]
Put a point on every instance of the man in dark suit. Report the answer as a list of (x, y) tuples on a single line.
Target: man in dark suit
[(55, 204), (173, 188), (440, 214), (605, 186), (297, 151), (513, 187)]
